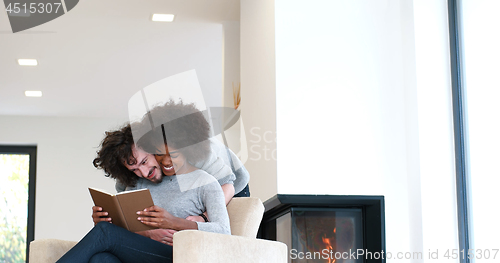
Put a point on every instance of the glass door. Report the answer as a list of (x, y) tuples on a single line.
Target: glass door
[(17, 181)]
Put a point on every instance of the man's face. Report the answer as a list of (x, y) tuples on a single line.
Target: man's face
[(145, 166)]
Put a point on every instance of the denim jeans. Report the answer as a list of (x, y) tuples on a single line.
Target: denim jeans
[(243, 193), (109, 243)]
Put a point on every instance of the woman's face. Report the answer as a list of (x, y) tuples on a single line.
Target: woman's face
[(164, 160), (172, 162)]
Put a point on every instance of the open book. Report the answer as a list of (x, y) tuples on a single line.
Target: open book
[(123, 206)]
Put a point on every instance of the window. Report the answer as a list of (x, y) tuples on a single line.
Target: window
[(17, 207), (474, 65)]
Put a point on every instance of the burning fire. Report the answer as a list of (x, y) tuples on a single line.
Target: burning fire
[(328, 245)]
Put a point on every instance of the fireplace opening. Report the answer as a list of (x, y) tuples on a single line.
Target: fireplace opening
[(326, 228), (323, 232)]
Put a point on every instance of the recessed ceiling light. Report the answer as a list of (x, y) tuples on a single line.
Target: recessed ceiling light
[(27, 62), (163, 18), (33, 93)]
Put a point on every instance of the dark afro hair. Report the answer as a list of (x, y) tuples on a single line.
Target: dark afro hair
[(181, 126)]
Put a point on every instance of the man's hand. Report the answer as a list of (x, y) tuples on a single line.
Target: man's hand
[(195, 219), (165, 236), (98, 215)]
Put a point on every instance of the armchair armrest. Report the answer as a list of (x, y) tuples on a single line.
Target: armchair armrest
[(49, 250), (198, 246)]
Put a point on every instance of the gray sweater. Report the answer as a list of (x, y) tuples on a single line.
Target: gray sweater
[(190, 194), (225, 166)]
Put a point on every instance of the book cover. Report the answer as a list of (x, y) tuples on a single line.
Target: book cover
[(123, 206)]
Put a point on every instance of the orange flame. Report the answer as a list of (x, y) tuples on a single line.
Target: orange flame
[(328, 245)]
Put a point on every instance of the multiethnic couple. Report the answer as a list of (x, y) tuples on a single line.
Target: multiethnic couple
[(191, 177)]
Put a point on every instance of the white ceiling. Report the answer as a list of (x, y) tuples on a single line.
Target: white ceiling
[(95, 57)]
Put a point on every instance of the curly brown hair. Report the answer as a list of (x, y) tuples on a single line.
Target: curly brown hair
[(116, 149), (181, 126)]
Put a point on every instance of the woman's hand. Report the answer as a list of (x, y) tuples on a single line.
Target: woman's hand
[(98, 215), (157, 217)]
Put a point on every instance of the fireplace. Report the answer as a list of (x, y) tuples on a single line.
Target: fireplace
[(327, 228)]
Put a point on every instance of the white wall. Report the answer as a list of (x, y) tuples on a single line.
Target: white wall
[(363, 107), (435, 118), (66, 148), (230, 60), (340, 84), (231, 78), (258, 94)]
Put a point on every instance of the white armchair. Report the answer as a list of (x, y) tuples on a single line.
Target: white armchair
[(245, 214)]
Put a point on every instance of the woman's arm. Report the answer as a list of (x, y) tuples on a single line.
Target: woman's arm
[(207, 196), (158, 217), (213, 201), (228, 191)]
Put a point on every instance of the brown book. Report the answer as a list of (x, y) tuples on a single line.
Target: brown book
[(123, 207)]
